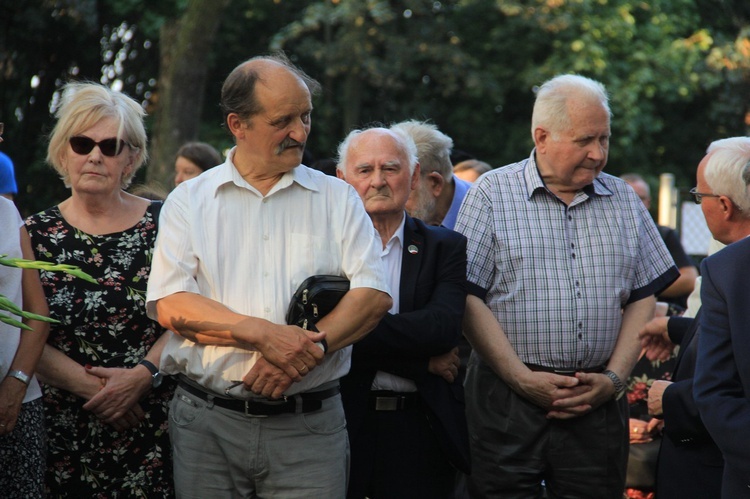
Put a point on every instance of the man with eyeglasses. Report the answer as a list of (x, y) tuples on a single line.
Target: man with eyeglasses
[(690, 464), (722, 371)]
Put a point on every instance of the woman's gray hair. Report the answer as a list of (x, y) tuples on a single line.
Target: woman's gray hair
[(727, 170), (83, 105), (551, 105)]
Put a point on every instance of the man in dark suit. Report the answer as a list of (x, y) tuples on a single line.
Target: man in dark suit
[(690, 464), (722, 373), (404, 410)]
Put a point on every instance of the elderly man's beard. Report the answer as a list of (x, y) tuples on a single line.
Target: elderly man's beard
[(424, 206)]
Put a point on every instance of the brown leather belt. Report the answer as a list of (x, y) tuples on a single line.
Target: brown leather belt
[(299, 403), (565, 372)]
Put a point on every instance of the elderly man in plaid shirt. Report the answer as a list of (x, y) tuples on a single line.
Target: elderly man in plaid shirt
[(563, 265)]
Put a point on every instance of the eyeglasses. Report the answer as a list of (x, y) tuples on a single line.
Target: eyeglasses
[(109, 147), (700, 195)]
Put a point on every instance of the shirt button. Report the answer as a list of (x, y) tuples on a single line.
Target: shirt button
[(265, 200), (572, 245), (265, 237), (579, 294), (580, 336), (570, 217), (578, 283), (580, 325), (573, 255)]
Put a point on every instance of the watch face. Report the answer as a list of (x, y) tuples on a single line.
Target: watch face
[(157, 379)]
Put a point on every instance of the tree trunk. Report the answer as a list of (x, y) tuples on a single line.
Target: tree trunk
[(185, 45)]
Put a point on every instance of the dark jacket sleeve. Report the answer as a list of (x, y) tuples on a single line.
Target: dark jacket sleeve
[(403, 343)]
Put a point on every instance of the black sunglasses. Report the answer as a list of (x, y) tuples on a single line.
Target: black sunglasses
[(109, 147)]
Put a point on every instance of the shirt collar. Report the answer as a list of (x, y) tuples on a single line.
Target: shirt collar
[(534, 182), (398, 236), (459, 193), (227, 173)]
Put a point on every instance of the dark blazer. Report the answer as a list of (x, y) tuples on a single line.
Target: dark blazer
[(431, 310), (690, 465), (722, 373)]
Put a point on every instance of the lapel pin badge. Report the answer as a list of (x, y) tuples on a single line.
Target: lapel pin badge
[(413, 249)]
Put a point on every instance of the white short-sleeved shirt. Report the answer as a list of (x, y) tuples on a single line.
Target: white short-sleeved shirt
[(220, 238), (10, 287)]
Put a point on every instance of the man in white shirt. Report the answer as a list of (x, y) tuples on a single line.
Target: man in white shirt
[(233, 246)]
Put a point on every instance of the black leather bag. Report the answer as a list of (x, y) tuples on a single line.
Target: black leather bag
[(314, 299)]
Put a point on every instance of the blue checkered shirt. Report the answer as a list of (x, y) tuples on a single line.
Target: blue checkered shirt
[(557, 277)]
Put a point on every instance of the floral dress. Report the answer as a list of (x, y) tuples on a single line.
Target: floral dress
[(102, 325)]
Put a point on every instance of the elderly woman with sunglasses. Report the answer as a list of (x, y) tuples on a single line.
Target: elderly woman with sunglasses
[(105, 405)]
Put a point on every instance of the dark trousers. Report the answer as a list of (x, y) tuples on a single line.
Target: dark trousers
[(396, 454), (514, 447)]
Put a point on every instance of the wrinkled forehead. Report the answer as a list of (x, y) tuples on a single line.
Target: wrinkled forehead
[(377, 146)]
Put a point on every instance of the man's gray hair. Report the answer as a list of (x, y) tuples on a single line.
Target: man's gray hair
[(402, 138), (728, 170), (551, 105), (433, 147)]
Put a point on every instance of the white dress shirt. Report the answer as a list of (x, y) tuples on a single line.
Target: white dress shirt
[(392, 256), (220, 238)]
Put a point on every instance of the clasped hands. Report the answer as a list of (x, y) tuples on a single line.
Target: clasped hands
[(289, 354), (565, 397), (113, 394)]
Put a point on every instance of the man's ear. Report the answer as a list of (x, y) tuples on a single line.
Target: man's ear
[(340, 174), (236, 125), (728, 209), (435, 182), (541, 139)]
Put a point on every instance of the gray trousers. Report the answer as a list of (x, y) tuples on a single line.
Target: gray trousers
[(219, 452)]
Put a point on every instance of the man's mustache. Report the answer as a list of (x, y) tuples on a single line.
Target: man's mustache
[(287, 143)]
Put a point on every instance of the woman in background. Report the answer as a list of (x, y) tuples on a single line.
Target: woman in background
[(194, 158)]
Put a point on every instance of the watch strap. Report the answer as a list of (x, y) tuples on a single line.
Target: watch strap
[(150, 366), (20, 376), (619, 385)]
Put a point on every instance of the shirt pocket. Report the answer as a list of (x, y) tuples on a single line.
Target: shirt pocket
[(309, 255)]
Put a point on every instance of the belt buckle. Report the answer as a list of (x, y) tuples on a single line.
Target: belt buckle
[(565, 372), (250, 414), (386, 403)]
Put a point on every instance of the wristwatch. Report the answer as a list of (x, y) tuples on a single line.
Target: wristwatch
[(619, 385), (20, 376), (156, 377)]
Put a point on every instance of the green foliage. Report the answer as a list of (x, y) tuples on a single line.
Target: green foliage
[(8, 306), (677, 70)]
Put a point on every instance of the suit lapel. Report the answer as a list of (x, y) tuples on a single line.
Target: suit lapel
[(410, 264)]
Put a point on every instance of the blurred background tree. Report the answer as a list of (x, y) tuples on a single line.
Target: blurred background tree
[(678, 71)]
